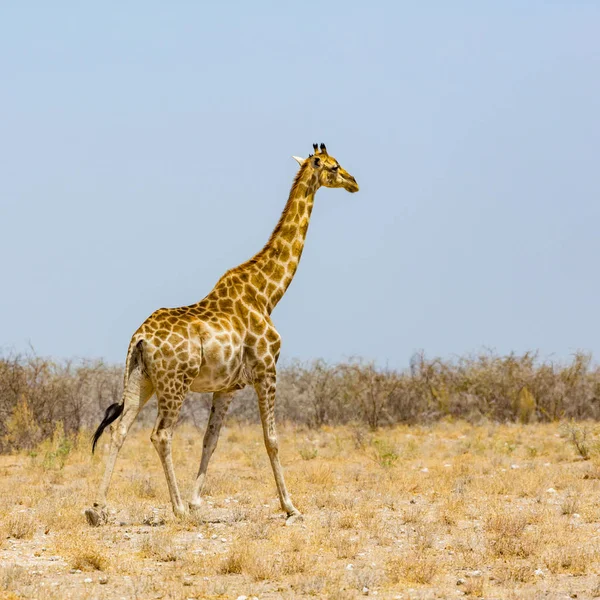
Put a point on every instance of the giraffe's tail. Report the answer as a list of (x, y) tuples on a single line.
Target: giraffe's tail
[(114, 411)]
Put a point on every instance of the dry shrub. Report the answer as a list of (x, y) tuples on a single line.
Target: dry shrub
[(20, 526), (37, 393), (22, 430)]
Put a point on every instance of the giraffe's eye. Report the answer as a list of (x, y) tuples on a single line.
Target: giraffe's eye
[(335, 168)]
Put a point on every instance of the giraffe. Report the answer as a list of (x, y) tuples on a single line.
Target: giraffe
[(220, 344)]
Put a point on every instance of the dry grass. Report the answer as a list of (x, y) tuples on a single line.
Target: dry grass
[(498, 511)]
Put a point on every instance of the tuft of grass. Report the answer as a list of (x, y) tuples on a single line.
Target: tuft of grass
[(474, 587), (569, 505), (160, 547), (143, 487), (83, 552), (384, 453), (413, 567), (505, 532), (308, 452), (574, 560), (89, 559), (345, 545), (20, 526), (249, 559)]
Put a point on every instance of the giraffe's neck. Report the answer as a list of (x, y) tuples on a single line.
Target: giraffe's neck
[(271, 271)]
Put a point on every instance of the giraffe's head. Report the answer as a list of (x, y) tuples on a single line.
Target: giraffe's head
[(328, 170)]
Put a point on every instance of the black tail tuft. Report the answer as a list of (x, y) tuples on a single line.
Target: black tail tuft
[(112, 412)]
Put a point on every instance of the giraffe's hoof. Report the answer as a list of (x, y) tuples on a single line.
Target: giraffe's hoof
[(195, 506), (96, 517), (294, 518), (181, 512)]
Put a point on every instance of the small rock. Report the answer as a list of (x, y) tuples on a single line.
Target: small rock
[(214, 536), (461, 581), (365, 590), (87, 580), (223, 539), (242, 598), (200, 536), (187, 581), (515, 467), (576, 516), (476, 573), (538, 573), (349, 567), (103, 579), (424, 470), (127, 536), (75, 571), (551, 491)]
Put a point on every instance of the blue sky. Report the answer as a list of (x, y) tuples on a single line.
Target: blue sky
[(145, 149)]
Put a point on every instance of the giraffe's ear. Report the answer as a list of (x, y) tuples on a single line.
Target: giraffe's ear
[(299, 160)]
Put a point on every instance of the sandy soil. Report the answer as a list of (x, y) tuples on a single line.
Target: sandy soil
[(445, 511)]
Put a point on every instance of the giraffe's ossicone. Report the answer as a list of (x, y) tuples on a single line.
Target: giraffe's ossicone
[(220, 344)]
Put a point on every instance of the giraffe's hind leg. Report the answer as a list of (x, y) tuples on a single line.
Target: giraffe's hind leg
[(137, 393), (220, 404), (265, 390), (170, 398)]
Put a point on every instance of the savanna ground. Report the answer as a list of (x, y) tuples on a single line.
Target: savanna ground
[(440, 511)]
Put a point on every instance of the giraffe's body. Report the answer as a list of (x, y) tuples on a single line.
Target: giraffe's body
[(220, 344)]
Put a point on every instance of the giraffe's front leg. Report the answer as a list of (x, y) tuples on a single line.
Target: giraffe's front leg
[(265, 390), (220, 404)]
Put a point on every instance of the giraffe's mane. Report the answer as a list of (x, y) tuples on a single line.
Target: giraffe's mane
[(279, 225)]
